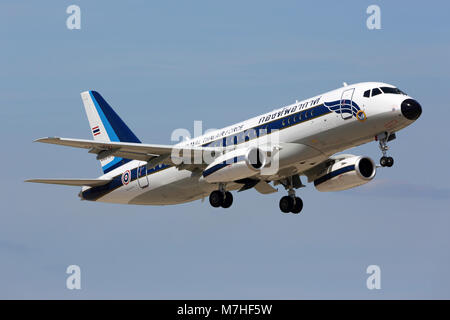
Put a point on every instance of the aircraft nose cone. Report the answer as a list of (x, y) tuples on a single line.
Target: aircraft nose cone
[(411, 109)]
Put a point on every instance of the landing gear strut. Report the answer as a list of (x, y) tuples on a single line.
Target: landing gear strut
[(383, 138), (221, 198), (291, 203)]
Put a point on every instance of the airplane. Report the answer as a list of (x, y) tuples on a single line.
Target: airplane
[(273, 149)]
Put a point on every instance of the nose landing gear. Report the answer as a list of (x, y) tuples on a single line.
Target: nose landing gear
[(386, 161), (383, 139)]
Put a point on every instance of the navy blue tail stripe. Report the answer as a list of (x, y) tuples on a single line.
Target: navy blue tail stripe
[(117, 129), (120, 128)]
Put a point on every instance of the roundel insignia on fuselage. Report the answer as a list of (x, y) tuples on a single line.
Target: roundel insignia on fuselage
[(126, 177), (361, 116)]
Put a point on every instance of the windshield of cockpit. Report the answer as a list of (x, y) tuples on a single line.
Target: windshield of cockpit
[(387, 90)]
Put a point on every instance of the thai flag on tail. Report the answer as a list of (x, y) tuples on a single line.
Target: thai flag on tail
[(95, 131)]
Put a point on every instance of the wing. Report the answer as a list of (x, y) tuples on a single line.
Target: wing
[(73, 182), (153, 153)]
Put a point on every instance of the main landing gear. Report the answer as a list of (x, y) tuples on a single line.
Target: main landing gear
[(383, 139), (221, 198), (291, 203)]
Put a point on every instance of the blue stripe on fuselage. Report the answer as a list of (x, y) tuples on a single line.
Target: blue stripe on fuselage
[(268, 127), (95, 193)]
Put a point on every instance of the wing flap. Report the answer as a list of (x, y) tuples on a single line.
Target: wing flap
[(73, 182), (264, 188)]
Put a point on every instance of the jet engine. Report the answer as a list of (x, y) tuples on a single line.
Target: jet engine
[(236, 164), (346, 173)]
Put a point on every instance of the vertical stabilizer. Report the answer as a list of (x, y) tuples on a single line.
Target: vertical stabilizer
[(106, 125)]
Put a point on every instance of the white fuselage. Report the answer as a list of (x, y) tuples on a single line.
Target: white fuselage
[(308, 131)]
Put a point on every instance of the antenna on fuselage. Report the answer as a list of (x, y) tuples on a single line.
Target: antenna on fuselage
[(345, 84)]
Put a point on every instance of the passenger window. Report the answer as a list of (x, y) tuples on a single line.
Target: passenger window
[(375, 92), (367, 93)]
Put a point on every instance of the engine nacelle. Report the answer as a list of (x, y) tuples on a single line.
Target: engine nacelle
[(235, 165), (346, 173)]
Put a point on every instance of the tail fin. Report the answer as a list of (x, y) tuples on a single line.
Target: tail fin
[(106, 126)]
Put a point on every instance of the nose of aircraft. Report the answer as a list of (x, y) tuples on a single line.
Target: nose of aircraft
[(411, 109)]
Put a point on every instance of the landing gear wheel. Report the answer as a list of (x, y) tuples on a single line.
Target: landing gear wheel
[(228, 200), (216, 199), (386, 161), (286, 204), (390, 162), (298, 205)]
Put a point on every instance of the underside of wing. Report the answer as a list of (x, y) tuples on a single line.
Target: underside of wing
[(73, 182), (264, 188), (261, 186)]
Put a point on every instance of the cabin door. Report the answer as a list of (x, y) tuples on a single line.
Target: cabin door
[(142, 175), (346, 103)]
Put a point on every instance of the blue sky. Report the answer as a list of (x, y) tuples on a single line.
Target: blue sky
[(164, 65)]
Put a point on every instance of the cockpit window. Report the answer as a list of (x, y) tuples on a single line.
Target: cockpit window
[(367, 93), (375, 92), (392, 90)]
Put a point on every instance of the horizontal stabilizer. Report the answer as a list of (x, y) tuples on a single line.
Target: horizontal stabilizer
[(73, 182)]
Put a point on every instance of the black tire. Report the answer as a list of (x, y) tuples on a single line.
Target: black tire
[(216, 198), (286, 204), (390, 161), (298, 205), (228, 201), (383, 161)]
